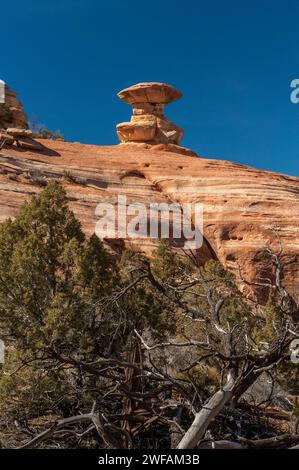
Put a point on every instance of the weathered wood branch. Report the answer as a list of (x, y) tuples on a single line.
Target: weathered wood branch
[(204, 417)]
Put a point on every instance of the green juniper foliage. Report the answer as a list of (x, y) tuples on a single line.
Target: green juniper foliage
[(61, 301), (77, 324)]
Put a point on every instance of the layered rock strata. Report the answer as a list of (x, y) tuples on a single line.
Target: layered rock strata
[(245, 209), (148, 123)]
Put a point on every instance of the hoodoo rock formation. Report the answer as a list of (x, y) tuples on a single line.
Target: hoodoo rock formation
[(245, 209), (148, 123)]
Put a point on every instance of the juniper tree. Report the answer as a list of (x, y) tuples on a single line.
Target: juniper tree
[(62, 309), (111, 353)]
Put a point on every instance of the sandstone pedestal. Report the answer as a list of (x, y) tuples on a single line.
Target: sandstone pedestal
[(148, 123)]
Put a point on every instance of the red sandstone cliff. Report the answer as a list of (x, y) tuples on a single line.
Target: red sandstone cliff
[(244, 208)]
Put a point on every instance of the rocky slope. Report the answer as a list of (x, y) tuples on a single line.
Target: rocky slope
[(245, 209)]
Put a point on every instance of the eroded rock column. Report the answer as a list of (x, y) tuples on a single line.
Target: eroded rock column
[(148, 123)]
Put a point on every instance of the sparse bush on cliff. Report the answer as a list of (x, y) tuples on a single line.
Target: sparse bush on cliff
[(46, 134), (40, 132)]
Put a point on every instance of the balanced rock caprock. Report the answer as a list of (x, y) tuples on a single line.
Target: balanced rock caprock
[(148, 123)]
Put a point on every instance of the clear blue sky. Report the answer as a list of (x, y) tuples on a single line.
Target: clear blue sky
[(233, 61)]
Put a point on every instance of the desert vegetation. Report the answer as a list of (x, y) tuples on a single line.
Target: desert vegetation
[(136, 353)]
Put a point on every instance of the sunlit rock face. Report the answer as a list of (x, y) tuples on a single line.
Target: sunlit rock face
[(245, 209), (148, 123)]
